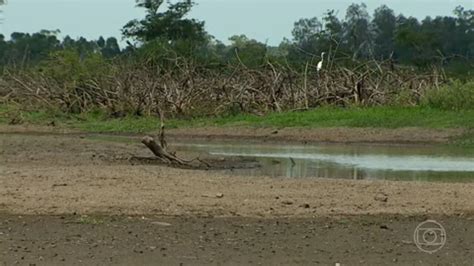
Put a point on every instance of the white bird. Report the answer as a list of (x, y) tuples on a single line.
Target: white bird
[(320, 64)]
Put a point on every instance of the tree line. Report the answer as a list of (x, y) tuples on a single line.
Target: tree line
[(165, 33), (171, 65), (24, 49)]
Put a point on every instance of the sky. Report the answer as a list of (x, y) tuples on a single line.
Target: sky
[(265, 20)]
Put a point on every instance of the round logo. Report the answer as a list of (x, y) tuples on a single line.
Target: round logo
[(430, 236)]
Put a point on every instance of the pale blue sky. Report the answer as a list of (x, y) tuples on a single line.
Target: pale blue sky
[(264, 20)]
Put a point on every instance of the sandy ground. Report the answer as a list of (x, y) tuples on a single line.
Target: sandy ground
[(328, 135), (46, 176), (111, 240)]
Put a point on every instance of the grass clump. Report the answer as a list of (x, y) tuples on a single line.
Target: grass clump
[(455, 96)]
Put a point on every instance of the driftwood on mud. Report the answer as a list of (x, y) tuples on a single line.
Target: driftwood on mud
[(161, 152), (159, 149)]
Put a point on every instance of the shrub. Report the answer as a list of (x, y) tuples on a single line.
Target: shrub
[(70, 67), (455, 96)]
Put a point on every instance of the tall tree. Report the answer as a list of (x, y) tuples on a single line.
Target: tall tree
[(333, 29), (169, 25), (305, 30), (306, 34), (358, 32), (384, 25), (409, 41), (26, 49), (248, 51), (465, 31), (110, 48)]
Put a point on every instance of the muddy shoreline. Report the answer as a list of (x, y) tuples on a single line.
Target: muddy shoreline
[(381, 136), (67, 199), (54, 174)]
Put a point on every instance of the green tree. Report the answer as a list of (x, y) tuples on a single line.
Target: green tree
[(168, 33), (83, 46), (357, 31), (465, 31), (169, 25), (384, 24), (101, 42), (306, 34), (110, 48), (26, 49), (306, 30), (248, 51), (409, 41), (333, 34)]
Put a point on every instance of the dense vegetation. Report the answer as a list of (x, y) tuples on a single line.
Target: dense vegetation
[(442, 41), (173, 67)]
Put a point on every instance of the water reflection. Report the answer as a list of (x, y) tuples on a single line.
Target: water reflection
[(349, 161)]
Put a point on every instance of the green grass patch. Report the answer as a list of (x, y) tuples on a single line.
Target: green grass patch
[(455, 96), (326, 117), (375, 117)]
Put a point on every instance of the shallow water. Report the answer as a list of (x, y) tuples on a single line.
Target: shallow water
[(417, 163)]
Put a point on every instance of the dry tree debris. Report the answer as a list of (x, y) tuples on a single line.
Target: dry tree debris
[(189, 90)]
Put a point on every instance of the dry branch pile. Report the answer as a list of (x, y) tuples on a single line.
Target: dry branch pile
[(190, 90)]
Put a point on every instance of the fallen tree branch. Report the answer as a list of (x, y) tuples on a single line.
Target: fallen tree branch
[(160, 152)]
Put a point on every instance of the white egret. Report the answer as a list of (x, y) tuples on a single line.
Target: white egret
[(320, 64)]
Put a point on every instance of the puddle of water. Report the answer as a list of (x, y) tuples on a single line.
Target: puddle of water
[(424, 163)]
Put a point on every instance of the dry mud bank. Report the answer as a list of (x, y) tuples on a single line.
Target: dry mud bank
[(70, 199)]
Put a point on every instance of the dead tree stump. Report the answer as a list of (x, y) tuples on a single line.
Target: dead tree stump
[(161, 152)]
